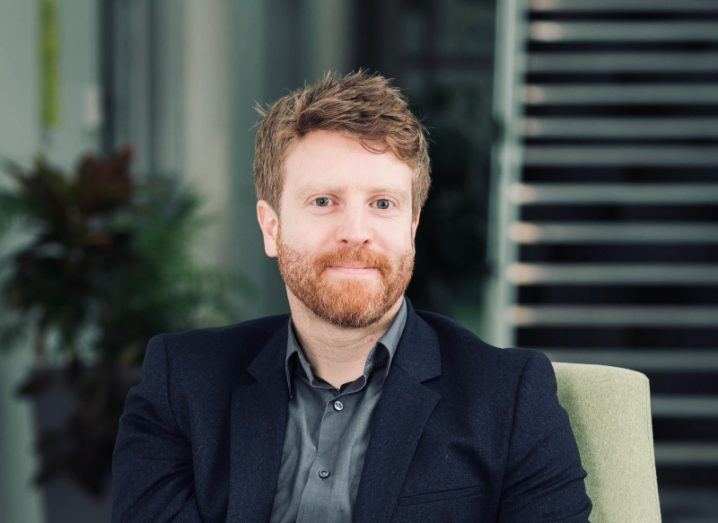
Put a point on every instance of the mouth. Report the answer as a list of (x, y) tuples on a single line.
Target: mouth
[(355, 270)]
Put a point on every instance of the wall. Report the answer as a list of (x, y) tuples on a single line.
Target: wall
[(20, 140)]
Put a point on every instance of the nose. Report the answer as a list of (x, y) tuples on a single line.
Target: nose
[(354, 228)]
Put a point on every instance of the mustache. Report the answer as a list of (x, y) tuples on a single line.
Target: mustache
[(364, 257)]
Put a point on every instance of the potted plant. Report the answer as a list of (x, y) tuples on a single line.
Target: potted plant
[(103, 261)]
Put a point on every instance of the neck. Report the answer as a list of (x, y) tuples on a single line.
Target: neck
[(337, 354)]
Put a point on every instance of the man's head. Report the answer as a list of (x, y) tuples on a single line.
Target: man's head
[(341, 171)]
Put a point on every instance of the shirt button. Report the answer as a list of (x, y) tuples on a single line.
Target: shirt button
[(338, 405), (324, 474)]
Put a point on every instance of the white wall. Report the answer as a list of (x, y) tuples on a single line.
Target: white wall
[(20, 140), (19, 136)]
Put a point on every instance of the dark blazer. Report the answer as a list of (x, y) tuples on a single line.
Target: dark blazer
[(463, 431)]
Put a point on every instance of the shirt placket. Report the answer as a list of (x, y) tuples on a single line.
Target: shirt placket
[(321, 499)]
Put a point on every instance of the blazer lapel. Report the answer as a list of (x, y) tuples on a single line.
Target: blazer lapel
[(258, 412), (398, 421)]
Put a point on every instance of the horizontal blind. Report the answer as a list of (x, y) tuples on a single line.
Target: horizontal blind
[(613, 208)]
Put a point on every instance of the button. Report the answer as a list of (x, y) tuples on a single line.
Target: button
[(324, 474), (338, 405)]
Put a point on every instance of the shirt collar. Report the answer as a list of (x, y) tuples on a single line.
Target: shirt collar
[(388, 342)]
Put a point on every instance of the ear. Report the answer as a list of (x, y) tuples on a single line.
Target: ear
[(415, 225), (269, 224)]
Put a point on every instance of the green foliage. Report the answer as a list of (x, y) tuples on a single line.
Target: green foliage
[(108, 264)]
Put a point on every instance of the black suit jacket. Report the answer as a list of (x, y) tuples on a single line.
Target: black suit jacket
[(463, 431)]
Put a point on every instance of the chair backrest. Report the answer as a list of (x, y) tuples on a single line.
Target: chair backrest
[(610, 413)]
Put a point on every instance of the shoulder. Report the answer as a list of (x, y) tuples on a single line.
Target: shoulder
[(457, 341), (228, 345), (463, 352)]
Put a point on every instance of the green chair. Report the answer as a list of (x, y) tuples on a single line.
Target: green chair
[(610, 413)]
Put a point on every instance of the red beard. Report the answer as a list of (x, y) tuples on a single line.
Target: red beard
[(345, 301)]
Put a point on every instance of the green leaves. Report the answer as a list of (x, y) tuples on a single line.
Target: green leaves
[(110, 251), (107, 264)]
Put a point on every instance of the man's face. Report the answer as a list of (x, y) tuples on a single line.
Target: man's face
[(344, 237)]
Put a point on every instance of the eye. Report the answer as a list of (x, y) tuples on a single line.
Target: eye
[(383, 203), (322, 201)]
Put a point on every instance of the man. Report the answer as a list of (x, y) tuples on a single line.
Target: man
[(355, 407)]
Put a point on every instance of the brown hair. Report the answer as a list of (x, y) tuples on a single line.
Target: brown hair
[(364, 106)]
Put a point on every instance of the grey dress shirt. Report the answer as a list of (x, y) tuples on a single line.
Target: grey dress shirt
[(327, 433)]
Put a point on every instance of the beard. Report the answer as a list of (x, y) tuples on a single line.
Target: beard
[(345, 301)]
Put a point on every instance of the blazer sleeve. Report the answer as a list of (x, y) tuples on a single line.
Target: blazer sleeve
[(152, 478), (544, 476)]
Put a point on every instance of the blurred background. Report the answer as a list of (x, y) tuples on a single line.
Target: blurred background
[(574, 205)]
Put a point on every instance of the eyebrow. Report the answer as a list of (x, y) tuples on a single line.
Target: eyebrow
[(309, 188)]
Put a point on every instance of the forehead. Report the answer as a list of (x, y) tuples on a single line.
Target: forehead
[(331, 159)]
